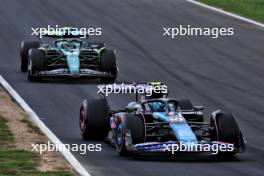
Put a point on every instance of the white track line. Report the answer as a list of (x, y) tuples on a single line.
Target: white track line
[(51, 136), (227, 13)]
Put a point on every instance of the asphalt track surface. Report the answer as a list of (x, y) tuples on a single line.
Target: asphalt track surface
[(225, 73)]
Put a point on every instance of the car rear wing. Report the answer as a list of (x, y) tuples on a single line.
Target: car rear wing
[(65, 32), (63, 36)]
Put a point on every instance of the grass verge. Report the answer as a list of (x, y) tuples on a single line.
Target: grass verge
[(18, 162), (253, 9), (17, 132)]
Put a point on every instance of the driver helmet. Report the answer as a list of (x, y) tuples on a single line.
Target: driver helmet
[(154, 94)]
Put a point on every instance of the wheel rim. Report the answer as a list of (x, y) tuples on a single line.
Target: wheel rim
[(82, 121), (29, 68), (119, 135)]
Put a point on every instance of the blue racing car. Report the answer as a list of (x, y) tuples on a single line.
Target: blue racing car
[(159, 124), (67, 55)]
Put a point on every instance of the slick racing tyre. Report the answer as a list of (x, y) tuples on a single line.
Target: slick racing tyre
[(134, 125), (94, 119), (225, 129), (185, 105), (36, 62), (95, 45), (108, 64), (24, 49)]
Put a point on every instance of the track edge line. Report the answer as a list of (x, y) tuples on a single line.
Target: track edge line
[(51, 136)]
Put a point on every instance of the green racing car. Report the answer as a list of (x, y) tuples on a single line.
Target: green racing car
[(67, 55)]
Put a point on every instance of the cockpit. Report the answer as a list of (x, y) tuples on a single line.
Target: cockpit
[(68, 44), (161, 106), (155, 106)]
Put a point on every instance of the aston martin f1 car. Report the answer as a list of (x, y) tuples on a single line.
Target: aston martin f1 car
[(160, 124), (67, 56)]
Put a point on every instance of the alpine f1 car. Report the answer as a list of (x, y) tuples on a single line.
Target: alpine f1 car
[(160, 124), (67, 55)]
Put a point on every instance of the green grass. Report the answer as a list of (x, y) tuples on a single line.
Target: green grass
[(15, 162), (30, 124), (253, 9), (6, 137)]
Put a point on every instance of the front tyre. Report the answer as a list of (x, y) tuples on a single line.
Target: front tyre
[(36, 63), (130, 130), (24, 50), (94, 119), (226, 129)]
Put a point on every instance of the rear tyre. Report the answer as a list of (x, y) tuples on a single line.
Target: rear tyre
[(94, 119), (225, 129), (36, 63), (133, 124), (24, 49), (185, 105), (108, 64), (95, 45)]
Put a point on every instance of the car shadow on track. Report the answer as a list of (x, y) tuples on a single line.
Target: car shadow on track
[(90, 81), (184, 157), (68, 81)]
